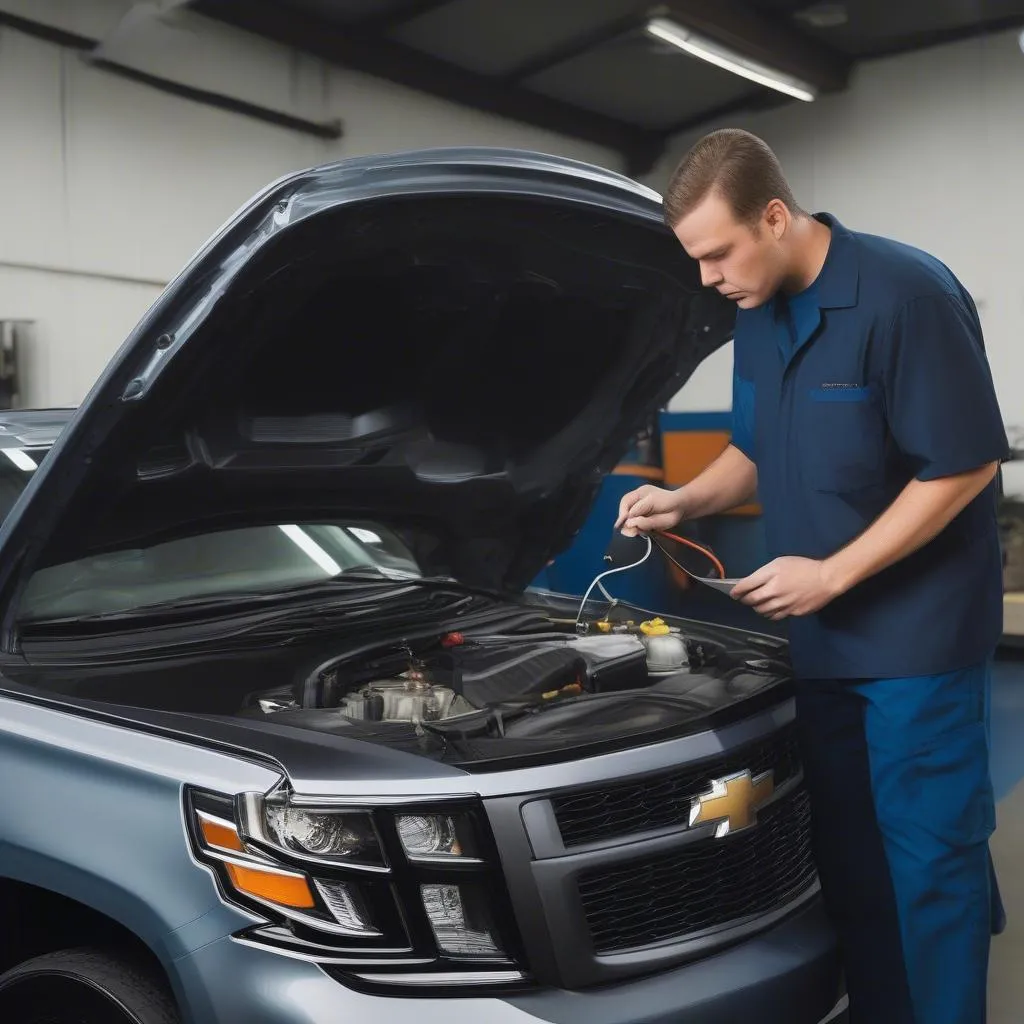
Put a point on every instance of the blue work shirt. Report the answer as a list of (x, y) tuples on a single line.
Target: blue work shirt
[(872, 377)]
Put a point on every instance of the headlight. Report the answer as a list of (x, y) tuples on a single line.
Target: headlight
[(460, 921), (345, 837), (348, 907), (328, 905), (409, 891), (436, 836)]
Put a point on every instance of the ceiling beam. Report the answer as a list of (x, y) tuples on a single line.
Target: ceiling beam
[(385, 58), (576, 47), (383, 23), (318, 129), (767, 40), (86, 46)]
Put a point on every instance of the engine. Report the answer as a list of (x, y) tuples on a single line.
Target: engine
[(411, 698), (526, 690), (468, 673)]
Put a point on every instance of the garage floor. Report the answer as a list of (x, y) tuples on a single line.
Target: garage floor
[(1006, 979)]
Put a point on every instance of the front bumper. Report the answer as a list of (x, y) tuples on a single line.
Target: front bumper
[(787, 975)]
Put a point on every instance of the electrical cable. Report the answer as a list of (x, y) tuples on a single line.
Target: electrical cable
[(608, 572), (710, 555)]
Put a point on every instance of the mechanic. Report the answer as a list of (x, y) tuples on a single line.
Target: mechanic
[(866, 421)]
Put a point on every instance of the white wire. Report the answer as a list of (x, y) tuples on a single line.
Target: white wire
[(608, 572)]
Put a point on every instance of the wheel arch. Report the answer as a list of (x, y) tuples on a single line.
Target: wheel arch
[(37, 921)]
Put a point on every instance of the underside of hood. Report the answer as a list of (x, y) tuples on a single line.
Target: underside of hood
[(459, 345)]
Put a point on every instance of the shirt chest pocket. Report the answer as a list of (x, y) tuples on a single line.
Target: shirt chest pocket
[(842, 438)]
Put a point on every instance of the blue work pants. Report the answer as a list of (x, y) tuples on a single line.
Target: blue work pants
[(902, 810)]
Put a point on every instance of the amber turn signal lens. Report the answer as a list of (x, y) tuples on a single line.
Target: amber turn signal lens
[(220, 835), (281, 887)]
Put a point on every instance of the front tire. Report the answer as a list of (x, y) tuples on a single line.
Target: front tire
[(85, 986)]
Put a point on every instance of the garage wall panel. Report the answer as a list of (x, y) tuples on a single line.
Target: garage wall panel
[(34, 175), (96, 313), (110, 187)]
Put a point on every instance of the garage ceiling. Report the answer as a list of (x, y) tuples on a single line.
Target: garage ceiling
[(590, 68)]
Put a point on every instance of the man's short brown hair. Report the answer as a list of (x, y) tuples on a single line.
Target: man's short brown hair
[(739, 166)]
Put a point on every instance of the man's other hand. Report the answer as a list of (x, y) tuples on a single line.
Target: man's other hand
[(647, 509), (787, 586)]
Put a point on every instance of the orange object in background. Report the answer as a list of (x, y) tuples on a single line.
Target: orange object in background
[(687, 453)]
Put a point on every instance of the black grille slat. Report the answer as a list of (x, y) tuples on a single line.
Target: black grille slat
[(709, 883), (663, 800)]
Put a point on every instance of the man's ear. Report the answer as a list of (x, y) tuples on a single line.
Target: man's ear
[(777, 218)]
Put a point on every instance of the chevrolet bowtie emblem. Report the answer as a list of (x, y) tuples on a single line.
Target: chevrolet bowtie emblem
[(732, 801)]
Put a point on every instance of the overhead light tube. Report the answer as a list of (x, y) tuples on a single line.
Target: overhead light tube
[(729, 60)]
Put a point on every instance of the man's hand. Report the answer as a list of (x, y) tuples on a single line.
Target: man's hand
[(729, 481), (787, 586), (649, 508)]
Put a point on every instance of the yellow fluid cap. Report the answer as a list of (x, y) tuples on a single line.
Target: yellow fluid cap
[(654, 627)]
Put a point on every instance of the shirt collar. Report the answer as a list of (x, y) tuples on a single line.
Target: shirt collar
[(838, 282), (836, 285)]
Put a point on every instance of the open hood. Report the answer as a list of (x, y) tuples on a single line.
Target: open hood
[(457, 343)]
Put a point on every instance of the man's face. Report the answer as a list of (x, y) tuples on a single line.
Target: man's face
[(745, 263)]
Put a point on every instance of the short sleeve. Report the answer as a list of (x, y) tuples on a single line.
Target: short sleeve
[(743, 415), (940, 400)]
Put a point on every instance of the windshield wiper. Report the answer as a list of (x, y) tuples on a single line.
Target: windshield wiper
[(362, 581)]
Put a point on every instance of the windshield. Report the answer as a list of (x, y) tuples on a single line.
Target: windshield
[(253, 560), (249, 561)]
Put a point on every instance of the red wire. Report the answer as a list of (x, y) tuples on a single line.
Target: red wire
[(696, 547)]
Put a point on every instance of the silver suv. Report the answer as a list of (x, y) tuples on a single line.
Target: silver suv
[(289, 737)]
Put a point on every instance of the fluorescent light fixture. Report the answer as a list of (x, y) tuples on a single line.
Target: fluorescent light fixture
[(729, 60), (303, 541), (21, 459)]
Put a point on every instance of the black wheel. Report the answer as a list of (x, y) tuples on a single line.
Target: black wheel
[(84, 986)]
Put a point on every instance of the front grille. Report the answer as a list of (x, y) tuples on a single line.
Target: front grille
[(663, 801), (709, 883)]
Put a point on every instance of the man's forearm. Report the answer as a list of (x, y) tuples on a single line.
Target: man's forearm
[(921, 511), (729, 481)]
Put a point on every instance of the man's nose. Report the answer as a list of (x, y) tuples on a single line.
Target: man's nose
[(709, 276)]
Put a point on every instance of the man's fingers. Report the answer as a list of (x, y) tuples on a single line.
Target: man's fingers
[(639, 519), (766, 594), (648, 523), (625, 505), (638, 524), (753, 582)]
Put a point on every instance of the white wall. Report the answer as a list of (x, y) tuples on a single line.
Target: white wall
[(927, 148), (110, 186)]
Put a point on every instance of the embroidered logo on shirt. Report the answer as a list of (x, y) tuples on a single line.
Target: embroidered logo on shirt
[(833, 385)]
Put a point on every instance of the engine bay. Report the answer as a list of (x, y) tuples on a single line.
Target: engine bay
[(463, 679), (473, 696)]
